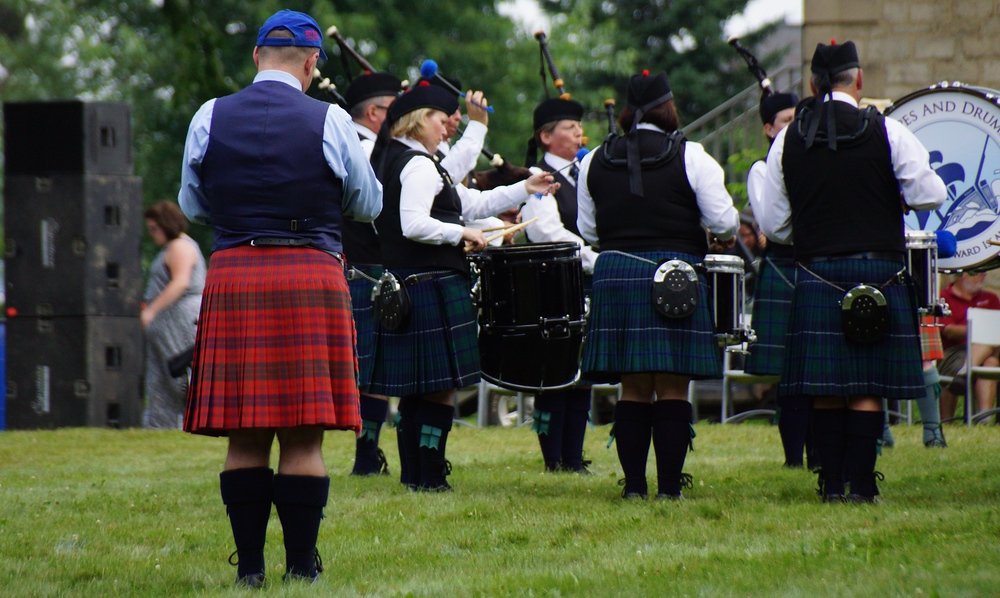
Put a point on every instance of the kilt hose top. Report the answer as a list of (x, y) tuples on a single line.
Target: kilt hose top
[(820, 361), (625, 333), (275, 345)]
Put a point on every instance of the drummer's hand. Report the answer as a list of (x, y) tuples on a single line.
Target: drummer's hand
[(716, 245), (474, 239), (542, 183), (475, 106)]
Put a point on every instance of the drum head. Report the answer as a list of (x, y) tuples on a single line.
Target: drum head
[(959, 124)]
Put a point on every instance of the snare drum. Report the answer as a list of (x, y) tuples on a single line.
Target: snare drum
[(531, 315), (728, 296), (921, 263)]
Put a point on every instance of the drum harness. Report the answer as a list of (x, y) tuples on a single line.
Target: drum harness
[(864, 309)]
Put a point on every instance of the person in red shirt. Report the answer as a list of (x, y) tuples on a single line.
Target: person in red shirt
[(965, 292)]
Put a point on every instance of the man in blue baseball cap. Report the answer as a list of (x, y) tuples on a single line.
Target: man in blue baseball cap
[(276, 174)]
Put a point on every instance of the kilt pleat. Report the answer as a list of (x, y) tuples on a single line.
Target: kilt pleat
[(438, 348), (364, 321), (772, 305), (625, 334), (275, 344), (820, 361)]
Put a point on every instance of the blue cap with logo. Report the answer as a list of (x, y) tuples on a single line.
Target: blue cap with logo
[(304, 29)]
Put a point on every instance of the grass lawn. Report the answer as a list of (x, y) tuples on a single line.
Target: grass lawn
[(93, 512)]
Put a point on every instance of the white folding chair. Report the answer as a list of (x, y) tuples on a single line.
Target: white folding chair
[(983, 329)]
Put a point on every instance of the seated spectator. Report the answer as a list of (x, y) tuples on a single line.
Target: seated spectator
[(965, 292)]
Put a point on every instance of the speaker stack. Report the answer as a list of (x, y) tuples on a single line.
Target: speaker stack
[(73, 229)]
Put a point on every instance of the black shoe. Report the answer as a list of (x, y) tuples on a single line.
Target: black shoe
[(935, 438), (581, 469), (309, 577), (822, 493), (249, 580), (687, 481), (834, 498), (631, 495)]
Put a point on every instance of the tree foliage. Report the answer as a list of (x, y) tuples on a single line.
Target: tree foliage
[(166, 57)]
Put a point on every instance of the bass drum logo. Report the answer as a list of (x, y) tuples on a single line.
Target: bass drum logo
[(960, 127)]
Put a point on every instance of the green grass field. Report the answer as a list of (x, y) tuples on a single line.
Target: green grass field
[(90, 512)]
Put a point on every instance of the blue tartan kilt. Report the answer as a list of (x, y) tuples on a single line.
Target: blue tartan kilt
[(772, 306), (438, 348), (820, 361), (625, 334), (364, 320)]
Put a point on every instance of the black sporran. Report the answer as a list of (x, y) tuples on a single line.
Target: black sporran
[(864, 315), (392, 302), (675, 289)]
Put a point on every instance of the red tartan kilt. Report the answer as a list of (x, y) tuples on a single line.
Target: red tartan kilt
[(275, 344)]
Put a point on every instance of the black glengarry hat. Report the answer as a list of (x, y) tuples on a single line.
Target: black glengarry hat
[(827, 61), (423, 95), (772, 104), (372, 85)]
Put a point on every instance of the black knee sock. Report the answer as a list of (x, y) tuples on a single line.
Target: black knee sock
[(247, 496), (408, 440), (366, 454), (793, 425), (433, 425), (299, 501), (577, 416), (633, 433), (671, 439), (828, 426), (549, 424), (862, 430)]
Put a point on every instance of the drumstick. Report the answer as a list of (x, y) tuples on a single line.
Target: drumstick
[(496, 228), (509, 229), (992, 242)]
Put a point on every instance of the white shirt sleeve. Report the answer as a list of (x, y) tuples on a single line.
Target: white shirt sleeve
[(776, 221), (755, 188), (420, 183), (362, 200), (586, 219), (462, 156), (922, 188), (480, 204), (708, 181)]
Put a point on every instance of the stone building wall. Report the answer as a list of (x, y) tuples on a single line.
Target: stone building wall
[(907, 45)]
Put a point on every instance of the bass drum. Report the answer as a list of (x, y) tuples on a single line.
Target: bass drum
[(960, 127)]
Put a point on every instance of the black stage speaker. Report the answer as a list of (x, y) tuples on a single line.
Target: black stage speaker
[(73, 245), (84, 371), (67, 137)]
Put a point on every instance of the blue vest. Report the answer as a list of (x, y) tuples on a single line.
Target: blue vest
[(264, 173)]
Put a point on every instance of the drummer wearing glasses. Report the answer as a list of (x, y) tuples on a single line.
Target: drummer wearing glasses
[(646, 199)]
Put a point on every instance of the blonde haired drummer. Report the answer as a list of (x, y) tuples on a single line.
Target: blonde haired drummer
[(646, 198)]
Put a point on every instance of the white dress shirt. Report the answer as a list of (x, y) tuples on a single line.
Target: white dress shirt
[(922, 188), (362, 199), (460, 159), (420, 183), (549, 227), (707, 180), (368, 138)]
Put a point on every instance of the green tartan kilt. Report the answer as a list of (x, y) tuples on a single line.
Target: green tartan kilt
[(364, 320), (820, 361), (438, 348), (625, 334), (772, 306)]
